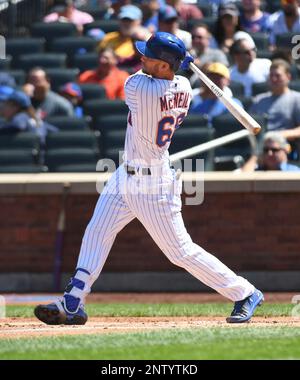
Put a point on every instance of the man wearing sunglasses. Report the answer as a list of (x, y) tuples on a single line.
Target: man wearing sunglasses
[(274, 155), (286, 20), (247, 68)]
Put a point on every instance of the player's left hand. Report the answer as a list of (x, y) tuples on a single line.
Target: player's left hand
[(186, 62)]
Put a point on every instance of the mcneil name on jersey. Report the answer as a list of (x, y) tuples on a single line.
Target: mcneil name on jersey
[(180, 100)]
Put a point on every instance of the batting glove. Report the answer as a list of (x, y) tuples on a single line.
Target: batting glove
[(185, 65)]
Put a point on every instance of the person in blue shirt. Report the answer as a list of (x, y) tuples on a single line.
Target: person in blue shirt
[(206, 102), (19, 116), (273, 156), (72, 92), (253, 19)]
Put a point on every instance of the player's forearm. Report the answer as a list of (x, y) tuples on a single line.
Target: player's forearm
[(291, 134), (250, 165)]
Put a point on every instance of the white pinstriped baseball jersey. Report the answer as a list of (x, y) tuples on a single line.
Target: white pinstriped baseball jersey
[(157, 108)]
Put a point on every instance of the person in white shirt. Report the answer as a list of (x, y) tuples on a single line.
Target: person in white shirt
[(248, 69)]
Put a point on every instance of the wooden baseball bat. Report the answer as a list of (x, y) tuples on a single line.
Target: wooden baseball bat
[(236, 110)]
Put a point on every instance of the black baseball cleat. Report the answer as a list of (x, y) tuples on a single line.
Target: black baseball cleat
[(56, 314), (243, 310)]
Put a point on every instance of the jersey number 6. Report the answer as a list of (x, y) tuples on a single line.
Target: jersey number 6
[(166, 128)]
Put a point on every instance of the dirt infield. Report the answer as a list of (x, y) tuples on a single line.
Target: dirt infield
[(28, 327)]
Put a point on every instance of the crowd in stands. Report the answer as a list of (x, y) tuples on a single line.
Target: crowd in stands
[(244, 46)]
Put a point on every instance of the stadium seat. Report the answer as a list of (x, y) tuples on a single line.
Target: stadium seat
[(96, 12), (103, 107), (261, 40), (237, 89), (259, 88), (73, 139), (22, 140), (247, 101), (5, 63), (44, 60), (19, 76), (209, 21), (112, 141), (295, 85), (267, 54), (284, 41), (11, 158), (111, 122), (59, 77), (106, 25), (225, 125), (21, 168), (92, 91), (18, 46), (83, 62), (187, 138), (51, 30), (192, 120), (67, 123), (71, 160), (73, 45)]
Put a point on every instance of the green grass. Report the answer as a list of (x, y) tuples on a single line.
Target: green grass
[(182, 344), (161, 309), (232, 342)]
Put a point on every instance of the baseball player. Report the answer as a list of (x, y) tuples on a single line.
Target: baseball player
[(147, 188)]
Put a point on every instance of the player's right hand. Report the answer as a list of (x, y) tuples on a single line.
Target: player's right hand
[(186, 62)]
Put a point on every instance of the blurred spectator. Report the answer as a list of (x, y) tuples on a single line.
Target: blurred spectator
[(286, 20), (248, 69), (96, 33), (107, 74), (201, 49), (114, 8), (169, 22), (20, 116), (130, 29), (185, 11), (5, 92), (72, 92), (46, 102), (65, 11), (150, 14), (206, 102), (274, 155), (18, 113), (253, 19), (7, 80), (281, 105), (228, 24)]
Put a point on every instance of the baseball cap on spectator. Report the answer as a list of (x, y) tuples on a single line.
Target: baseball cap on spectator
[(167, 13), (131, 12), (72, 89), (5, 92), (7, 80), (218, 68), (228, 9), (20, 98), (96, 33), (244, 36)]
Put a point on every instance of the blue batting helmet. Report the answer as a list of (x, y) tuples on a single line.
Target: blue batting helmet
[(163, 46)]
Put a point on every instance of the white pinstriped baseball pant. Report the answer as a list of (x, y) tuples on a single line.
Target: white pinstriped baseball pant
[(152, 201)]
